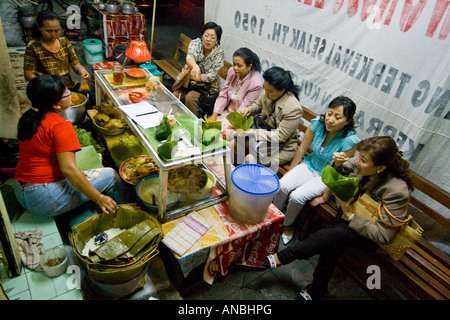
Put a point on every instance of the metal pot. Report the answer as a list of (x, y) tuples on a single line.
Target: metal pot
[(128, 8), (27, 9), (27, 22), (76, 113), (112, 7)]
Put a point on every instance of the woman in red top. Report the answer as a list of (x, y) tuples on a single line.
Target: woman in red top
[(48, 180)]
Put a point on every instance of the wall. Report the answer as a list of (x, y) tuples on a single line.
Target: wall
[(391, 57)]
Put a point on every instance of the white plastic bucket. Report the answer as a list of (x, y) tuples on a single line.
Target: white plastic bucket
[(252, 190), (93, 51)]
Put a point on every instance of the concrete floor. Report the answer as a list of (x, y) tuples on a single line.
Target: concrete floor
[(243, 283)]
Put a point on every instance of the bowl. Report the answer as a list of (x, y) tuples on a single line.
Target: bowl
[(147, 192), (135, 73), (204, 192), (54, 261), (135, 179), (136, 96), (186, 179), (75, 113), (108, 132)]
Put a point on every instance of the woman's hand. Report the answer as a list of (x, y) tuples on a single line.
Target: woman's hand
[(317, 201), (245, 111), (345, 207), (321, 199), (213, 117), (107, 204), (195, 73), (339, 158), (85, 74)]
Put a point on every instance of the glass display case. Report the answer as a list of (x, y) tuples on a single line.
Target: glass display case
[(169, 204)]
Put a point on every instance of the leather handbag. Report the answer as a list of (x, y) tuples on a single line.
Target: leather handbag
[(266, 149), (409, 231), (183, 79)]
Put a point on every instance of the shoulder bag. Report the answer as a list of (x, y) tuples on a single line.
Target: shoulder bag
[(409, 231)]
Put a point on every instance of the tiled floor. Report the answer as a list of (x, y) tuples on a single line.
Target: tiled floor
[(35, 285)]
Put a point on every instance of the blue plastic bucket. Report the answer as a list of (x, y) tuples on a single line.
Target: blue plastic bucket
[(252, 191), (93, 51)]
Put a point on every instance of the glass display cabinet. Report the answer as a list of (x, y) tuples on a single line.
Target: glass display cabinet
[(169, 205)]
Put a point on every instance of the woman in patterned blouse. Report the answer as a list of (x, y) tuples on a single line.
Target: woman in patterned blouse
[(205, 58), (51, 54)]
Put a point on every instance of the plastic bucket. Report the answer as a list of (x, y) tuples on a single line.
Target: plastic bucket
[(252, 190), (93, 51)]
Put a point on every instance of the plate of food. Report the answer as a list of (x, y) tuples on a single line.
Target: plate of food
[(136, 168), (190, 178), (135, 73)]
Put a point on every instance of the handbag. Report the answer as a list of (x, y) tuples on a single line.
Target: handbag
[(409, 231), (343, 187), (198, 86), (263, 148), (259, 122), (206, 103), (183, 79)]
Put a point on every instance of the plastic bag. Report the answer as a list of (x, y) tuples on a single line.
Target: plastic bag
[(343, 187), (84, 85)]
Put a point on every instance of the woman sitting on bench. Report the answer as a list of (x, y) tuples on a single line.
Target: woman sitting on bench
[(205, 58), (273, 141), (328, 133), (385, 175), (242, 87)]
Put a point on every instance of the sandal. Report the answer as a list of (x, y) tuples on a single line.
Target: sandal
[(304, 295), (269, 262)]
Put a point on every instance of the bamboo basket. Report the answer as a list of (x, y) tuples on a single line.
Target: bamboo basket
[(135, 257)]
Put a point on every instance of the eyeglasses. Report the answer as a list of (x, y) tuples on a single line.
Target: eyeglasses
[(67, 95), (209, 37)]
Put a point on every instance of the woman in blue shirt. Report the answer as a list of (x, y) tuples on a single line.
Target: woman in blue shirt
[(331, 133)]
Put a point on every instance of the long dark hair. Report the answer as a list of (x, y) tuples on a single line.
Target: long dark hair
[(349, 112), (281, 79), (44, 92), (384, 152), (216, 27), (249, 57), (41, 17)]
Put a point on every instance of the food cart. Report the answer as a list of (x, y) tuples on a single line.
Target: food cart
[(158, 96)]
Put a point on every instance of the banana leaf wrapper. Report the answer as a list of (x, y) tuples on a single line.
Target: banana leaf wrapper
[(343, 187), (239, 121), (124, 241)]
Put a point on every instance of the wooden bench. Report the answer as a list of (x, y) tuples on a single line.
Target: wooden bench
[(423, 273), (173, 66)]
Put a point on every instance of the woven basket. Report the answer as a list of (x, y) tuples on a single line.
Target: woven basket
[(134, 259)]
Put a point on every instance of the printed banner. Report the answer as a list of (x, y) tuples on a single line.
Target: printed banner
[(391, 57)]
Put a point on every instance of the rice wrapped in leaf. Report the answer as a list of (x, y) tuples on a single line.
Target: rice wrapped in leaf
[(164, 130), (239, 121), (211, 131), (167, 149)]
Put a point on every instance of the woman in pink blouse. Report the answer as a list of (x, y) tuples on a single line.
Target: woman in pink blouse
[(242, 87)]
